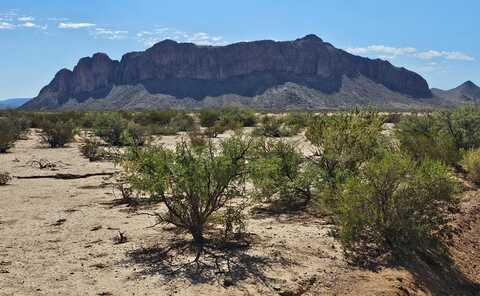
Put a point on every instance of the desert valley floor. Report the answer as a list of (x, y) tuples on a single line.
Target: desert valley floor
[(60, 237)]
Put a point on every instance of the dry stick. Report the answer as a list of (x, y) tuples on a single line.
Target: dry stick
[(64, 176)]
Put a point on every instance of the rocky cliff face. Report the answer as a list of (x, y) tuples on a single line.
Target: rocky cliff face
[(246, 69)]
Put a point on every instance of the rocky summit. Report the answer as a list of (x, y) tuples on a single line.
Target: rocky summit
[(306, 73)]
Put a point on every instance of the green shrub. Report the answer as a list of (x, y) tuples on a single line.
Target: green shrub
[(235, 118), (183, 122), (58, 133), (275, 128), (208, 118), (278, 169), (9, 133), (134, 134), (297, 120), (424, 136), (214, 131), (4, 178), (109, 127), (155, 118), (342, 143), (440, 135), (192, 183), (471, 164), (93, 150), (396, 204)]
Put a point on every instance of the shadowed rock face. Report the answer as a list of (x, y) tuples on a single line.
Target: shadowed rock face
[(248, 69)]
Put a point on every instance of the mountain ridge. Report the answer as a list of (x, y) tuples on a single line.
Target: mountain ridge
[(188, 72)]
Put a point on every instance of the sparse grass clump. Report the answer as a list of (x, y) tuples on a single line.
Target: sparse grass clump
[(471, 164), (4, 178)]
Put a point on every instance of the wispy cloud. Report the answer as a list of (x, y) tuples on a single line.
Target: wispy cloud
[(449, 55), (6, 26), (75, 26), (150, 37), (109, 33), (388, 52), (26, 19), (382, 50)]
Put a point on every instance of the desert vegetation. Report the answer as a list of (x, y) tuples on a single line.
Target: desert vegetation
[(386, 192)]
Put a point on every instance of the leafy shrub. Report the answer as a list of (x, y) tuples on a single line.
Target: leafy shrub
[(93, 150), (396, 204), (109, 127), (441, 135), (342, 143), (279, 169), (4, 178), (134, 134), (161, 118), (471, 164), (192, 183), (297, 120), (57, 134), (196, 138), (275, 128), (424, 136), (215, 130), (234, 118), (208, 118), (183, 122), (9, 133)]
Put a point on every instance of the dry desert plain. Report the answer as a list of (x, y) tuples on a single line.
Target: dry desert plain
[(61, 237)]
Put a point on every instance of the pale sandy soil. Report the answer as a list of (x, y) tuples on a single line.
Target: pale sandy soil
[(57, 238)]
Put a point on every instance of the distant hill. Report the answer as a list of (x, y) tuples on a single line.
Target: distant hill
[(466, 93), (306, 73), (12, 103)]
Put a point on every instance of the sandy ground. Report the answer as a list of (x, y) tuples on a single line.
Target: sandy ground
[(58, 237)]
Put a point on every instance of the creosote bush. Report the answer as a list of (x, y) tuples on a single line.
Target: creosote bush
[(57, 133), (396, 204), (110, 126), (275, 128), (471, 164), (9, 133), (134, 134), (343, 142), (278, 170), (192, 182), (442, 135), (92, 149)]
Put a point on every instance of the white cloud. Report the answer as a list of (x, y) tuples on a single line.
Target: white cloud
[(33, 25), (388, 52), (6, 26), (149, 38), (75, 25), (449, 55), (109, 34), (26, 19), (382, 50)]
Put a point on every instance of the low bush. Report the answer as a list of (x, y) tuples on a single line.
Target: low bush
[(471, 164), (110, 126), (9, 133), (342, 143), (395, 204), (57, 134), (4, 178), (93, 150), (183, 122), (275, 128), (208, 118), (134, 134), (440, 135), (278, 170), (192, 183)]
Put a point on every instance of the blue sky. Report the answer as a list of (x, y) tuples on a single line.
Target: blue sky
[(438, 39)]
